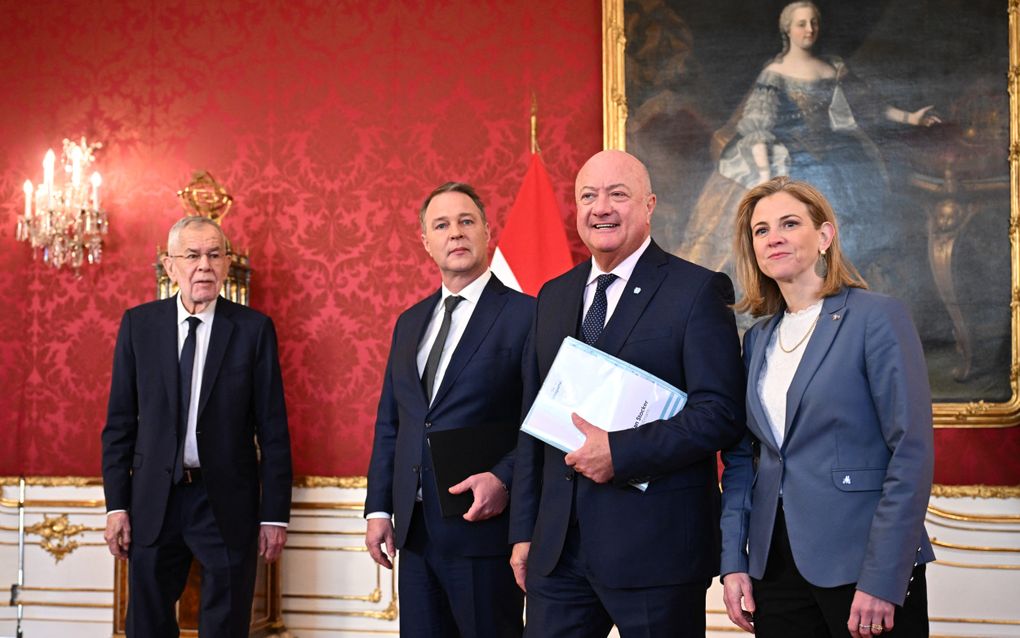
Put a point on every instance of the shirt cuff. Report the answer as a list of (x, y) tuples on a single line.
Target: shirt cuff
[(115, 512), (274, 524), (378, 515)]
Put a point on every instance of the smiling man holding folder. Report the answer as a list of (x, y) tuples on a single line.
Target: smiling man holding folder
[(452, 382), (592, 550)]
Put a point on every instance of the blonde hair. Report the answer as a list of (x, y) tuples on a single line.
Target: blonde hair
[(761, 293)]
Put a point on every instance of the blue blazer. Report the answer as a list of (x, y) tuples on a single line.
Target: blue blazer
[(855, 468), (481, 388), (673, 321), (241, 400)]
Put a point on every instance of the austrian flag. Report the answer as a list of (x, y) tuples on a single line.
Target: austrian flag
[(533, 246)]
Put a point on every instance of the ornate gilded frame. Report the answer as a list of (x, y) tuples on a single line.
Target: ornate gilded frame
[(973, 414)]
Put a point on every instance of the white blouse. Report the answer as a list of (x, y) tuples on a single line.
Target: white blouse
[(794, 332)]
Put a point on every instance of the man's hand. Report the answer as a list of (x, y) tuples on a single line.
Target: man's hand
[(869, 615), (489, 492), (272, 538), (739, 601), (519, 563), (593, 459), (118, 534), (379, 533)]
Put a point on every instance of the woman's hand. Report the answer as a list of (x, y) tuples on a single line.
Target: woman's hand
[(738, 599), (869, 616), (923, 117)]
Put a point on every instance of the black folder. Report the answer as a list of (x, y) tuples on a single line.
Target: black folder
[(457, 454)]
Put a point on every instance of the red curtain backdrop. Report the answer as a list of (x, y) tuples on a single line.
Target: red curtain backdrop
[(329, 122)]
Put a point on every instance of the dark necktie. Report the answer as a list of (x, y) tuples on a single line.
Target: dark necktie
[(428, 379), (595, 320), (186, 369)]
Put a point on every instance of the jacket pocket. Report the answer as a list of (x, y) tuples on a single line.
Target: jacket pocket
[(858, 480)]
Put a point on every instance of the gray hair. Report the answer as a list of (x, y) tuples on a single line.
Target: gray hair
[(192, 220), (786, 19)]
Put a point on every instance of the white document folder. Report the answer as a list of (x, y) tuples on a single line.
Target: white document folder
[(604, 390)]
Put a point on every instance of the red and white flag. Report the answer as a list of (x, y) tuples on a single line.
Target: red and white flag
[(533, 246)]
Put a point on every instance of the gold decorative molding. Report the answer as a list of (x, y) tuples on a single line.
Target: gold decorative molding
[(53, 481), (614, 86), (973, 548), (973, 518), (976, 491), (346, 482), (56, 535)]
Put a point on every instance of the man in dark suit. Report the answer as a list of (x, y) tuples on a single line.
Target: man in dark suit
[(455, 362), (196, 382), (591, 549)]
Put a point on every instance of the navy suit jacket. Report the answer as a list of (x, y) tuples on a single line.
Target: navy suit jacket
[(673, 321), (855, 467), (481, 388), (241, 400)]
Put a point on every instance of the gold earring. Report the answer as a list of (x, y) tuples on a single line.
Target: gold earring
[(822, 266)]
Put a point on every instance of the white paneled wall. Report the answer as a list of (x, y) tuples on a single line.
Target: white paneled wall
[(332, 588)]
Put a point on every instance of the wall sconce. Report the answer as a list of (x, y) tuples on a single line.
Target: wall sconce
[(64, 218)]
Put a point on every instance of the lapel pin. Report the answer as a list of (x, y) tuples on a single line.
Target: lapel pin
[(637, 289), (835, 317)]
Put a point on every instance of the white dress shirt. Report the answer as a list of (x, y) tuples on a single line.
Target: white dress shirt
[(623, 271), (202, 333), (471, 293), (780, 366)]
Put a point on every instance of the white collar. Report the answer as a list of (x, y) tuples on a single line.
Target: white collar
[(625, 268), (206, 315), (471, 292)]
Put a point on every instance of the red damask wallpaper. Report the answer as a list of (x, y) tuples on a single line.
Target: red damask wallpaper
[(328, 121)]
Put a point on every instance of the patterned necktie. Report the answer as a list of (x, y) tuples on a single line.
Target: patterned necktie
[(428, 379), (595, 320), (186, 369)]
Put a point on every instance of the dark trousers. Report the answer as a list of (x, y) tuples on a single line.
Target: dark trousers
[(570, 602), (788, 606), (455, 596), (158, 573)]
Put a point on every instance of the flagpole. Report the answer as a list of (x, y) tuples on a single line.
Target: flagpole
[(534, 125)]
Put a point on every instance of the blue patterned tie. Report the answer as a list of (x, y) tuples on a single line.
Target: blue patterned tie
[(186, 371), (595, 320)]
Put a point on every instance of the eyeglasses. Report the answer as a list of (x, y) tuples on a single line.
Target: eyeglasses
[(193, 259)]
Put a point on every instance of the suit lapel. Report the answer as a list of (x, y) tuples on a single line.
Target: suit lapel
[(222, 328), (490, 304), (168, 356), (754, 373), (829, 321), (644, 281)]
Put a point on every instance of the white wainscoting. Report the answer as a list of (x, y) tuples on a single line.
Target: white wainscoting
[(332, 588)]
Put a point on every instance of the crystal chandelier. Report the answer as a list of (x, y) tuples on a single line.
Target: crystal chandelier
[(63, 220)]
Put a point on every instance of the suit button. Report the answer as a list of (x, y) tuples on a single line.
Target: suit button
[(167, 470), (415, 468), (569, 475), (428, 424)]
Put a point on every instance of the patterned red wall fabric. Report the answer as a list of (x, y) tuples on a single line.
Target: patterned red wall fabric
[(328, 121)]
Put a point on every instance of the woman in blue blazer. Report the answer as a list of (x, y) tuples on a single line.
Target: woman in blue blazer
[(824, 498)]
